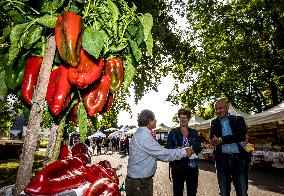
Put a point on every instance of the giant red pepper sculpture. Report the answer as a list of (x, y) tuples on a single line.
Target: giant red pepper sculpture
[(96, 172), (114, 70), (95, 96), (81, 151), (32, 69), (68, 36), (103, 186), (58, 91), (107, 166), (88, 70), (58, 176)]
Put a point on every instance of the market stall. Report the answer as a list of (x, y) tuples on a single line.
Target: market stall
[(265, 132)]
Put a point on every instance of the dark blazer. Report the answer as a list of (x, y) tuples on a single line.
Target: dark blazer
[(175, 139), (239, 129)]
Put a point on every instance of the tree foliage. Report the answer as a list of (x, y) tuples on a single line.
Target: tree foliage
[(236, 52)]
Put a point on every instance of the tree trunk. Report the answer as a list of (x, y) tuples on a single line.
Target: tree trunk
[(51, 144), (30, 143)]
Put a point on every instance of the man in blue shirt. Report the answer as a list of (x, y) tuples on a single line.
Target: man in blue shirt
[(232, 161)]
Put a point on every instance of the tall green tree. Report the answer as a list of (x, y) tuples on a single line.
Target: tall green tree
[(236, 52)]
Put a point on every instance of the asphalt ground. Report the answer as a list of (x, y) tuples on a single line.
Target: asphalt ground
[(262, 181)]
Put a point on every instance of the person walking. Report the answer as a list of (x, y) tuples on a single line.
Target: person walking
[(186, 169), (232, 161), (99, 145), (126, 145), (144, 151)]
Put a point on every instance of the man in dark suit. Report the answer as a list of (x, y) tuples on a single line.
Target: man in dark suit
[(232, 161)]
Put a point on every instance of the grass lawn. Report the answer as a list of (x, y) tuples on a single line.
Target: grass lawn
[(9, 168)]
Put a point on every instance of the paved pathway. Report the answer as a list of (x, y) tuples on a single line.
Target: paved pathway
[(262, 182)]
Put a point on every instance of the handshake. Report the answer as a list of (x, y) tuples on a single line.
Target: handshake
[(189, 151)]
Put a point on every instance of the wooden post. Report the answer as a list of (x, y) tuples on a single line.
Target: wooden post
[(30, 143)]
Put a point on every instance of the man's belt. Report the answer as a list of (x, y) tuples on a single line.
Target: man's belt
[(233, 155), (140, 178)]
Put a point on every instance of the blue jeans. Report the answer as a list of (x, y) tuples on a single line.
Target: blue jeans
[(232, 168)]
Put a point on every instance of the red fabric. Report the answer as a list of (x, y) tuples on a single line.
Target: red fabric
[(153, 133)]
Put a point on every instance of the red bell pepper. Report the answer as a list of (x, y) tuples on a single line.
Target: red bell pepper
[(72, 115), (103, 186), (81, 151), (58, 93), (58, 176), (32, 69), (88, 70), (106, 164), (68, 37), (96, 172), (108, 103), (64, 152), (95, 96), (114, 70)]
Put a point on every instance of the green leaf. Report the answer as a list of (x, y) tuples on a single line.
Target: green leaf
[(3, 88), (51, 6), (82, 121), (129, 72), (48, 21), (135, 50), (93, 41), (147, 22), (117, 48), (132, 29), (139, 36), (149, 45), (16, 46), (31, 36), (114, 14)]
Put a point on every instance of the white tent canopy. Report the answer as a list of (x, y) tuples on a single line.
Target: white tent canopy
[(275, 114), (196, 120), (236, 112), (131, 131), (98, 134)]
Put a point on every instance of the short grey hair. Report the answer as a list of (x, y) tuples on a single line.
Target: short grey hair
[(144, 117)]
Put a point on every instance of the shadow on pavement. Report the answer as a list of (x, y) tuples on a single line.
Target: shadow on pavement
[(122, 155), (207, 165), (271, 179)]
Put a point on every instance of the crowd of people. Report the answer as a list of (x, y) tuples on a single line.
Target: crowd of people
[(108, 145)]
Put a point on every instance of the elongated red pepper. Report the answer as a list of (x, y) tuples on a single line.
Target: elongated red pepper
[(64, 152), (96, 172), (72, 116), (106, 164), (114, 70), (103, 186), (81, 151), (95, 96), (68, 36), (89, 70), (108, 103), (58, 176), (58, 93), (32, 69)]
